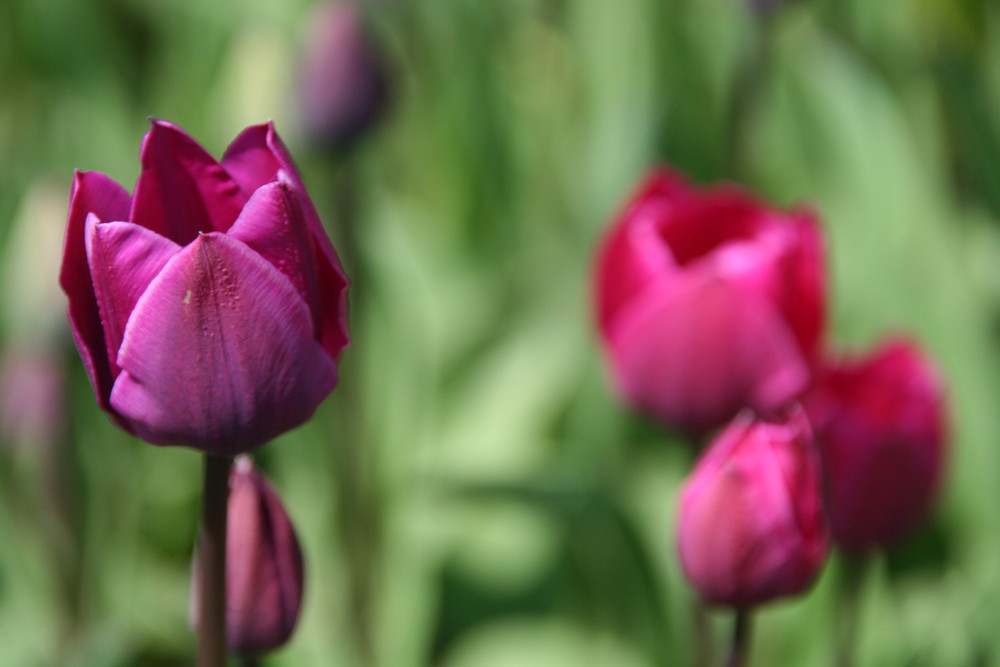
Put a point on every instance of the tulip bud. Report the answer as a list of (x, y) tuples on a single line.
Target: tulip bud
[(751, 526), (264, 568), (343, 85), (709, 302), (880, 422), (209, 306)]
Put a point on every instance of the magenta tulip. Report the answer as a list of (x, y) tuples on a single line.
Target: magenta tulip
[(751, 526), (263, 565), (880, 421), (209, 307), (709, 302)]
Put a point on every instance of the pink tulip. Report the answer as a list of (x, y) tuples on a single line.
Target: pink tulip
[(209, 307), (263, 565), (708, 302), (880, 421), (751, 526)]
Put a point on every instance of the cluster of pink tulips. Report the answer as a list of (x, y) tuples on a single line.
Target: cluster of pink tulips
[(711, 306)]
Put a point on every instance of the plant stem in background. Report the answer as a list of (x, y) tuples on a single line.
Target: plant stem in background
[(211, 571), (741, 639), (853, 569), (748, 86), (360, 516)]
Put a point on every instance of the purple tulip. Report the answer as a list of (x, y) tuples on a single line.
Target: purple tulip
[(881, 424), (751, 526), (209, 308), (709, 302), (263, 565), (343, 88)]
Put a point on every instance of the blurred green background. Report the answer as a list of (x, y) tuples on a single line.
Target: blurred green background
[(473, 495)]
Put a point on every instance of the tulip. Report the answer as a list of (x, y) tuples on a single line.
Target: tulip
[(880, 421), (264, 570), (209, 307), (751, 526), (709, 302), (343, 86)]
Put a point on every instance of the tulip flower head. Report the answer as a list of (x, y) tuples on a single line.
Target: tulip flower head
[(751, 526), (209, 307), (880, 422), (709, 302)]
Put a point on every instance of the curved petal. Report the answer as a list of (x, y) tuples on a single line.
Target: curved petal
[(256, 157), (182, 190), (801, 292), (633, 254), (694, 351), (124, 259), (219, 353), (273, 225), (92, 193)]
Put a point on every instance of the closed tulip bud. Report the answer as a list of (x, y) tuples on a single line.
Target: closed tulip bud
[(751, 526), (209, 307), (880, 421), (343, 87), (264, 569), (709, 302)]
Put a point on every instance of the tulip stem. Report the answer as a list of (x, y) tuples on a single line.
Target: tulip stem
[(212, 647), (853, 575), (741, 639)]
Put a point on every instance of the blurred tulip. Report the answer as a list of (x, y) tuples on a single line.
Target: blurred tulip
[(343, 86), (880, 421), (209, 308), (32, 392), (751, 526), (709, 302)]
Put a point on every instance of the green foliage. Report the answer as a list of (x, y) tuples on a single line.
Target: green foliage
[(473, 494)]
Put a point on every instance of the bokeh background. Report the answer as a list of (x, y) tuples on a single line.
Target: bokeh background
[(473, 494)]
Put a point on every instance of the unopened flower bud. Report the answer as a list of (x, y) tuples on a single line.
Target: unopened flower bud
[(751, 525)]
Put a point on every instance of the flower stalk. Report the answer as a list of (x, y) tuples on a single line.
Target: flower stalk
[(212, 649), (740, 648)]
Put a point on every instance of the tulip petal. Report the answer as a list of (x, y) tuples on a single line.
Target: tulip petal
[(124, 259), (94, 193), (219, 353), (273, 225), (695, 349), (256, 157), (182, 190)]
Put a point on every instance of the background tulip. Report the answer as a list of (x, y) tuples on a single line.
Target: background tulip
[(343, 86), (709, 302), (751, 526), (209, 307), (880, 422)]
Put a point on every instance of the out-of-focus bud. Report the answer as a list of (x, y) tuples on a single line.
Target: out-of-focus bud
[(880, 421), (32, 389), (343, 87), (264, 569), (709, 301), (751, 525)]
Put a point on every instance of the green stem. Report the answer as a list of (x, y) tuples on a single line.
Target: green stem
[(748, 87), (703, 640), (852, 578), (740, 648), (212, 649)]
